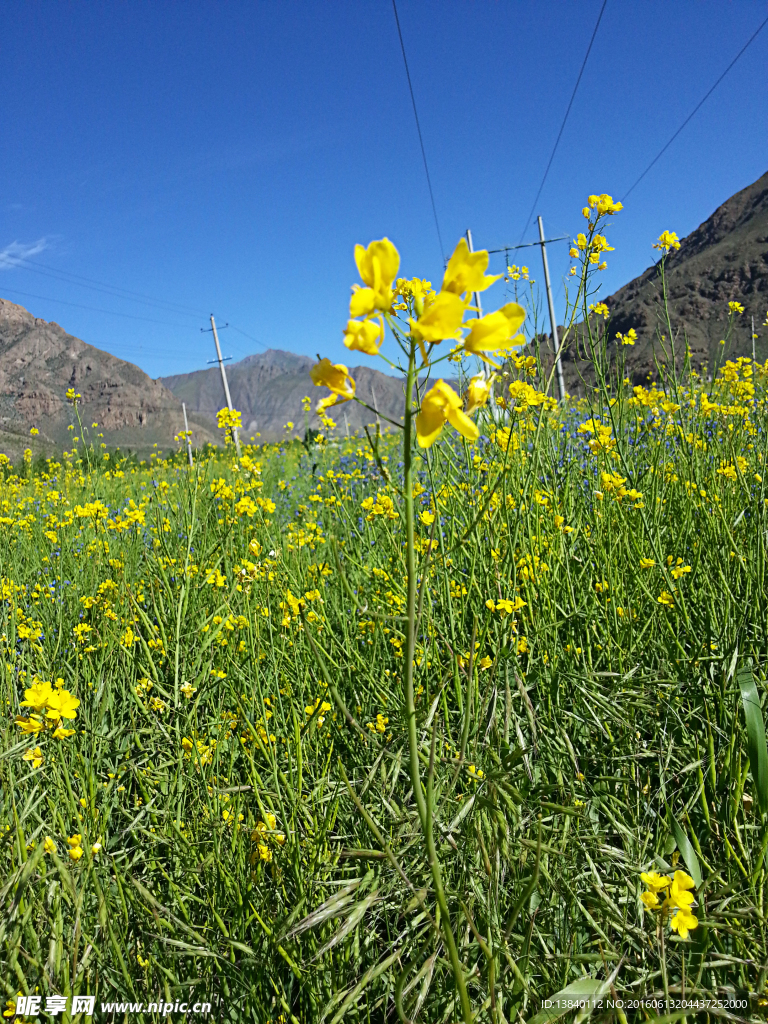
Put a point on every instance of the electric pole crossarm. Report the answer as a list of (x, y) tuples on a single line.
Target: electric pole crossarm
[(527, 245)]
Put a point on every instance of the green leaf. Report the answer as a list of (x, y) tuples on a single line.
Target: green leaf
[(583, 994), (756, 747), (686, 851)]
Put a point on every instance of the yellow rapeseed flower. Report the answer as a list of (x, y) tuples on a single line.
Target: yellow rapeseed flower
[(364, 336), (38, 695), (604, 204), (477, 394), (507, 607), (440, 319), (655, 881), (35, 755), (333, 376), (378, 266), (496, 332), (30, 725), (466, 271), (679, 894), (439, 406), (667, 240), (682, 922), (62, 704)]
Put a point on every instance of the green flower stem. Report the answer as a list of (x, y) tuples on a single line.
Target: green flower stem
[(424, 806)]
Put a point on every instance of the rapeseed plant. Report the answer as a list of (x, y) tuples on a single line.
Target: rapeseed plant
[(344, 730)]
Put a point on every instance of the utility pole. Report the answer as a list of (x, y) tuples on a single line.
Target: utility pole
[(224, 381), (753, 339), (552, 318), (476, 297), (186, 434), (474, 294)]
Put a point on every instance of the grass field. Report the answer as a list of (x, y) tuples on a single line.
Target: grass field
[(390, 728)]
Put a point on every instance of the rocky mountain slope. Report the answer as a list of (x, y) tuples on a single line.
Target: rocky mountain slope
[(268, 388), (725, 259), (39, 362)]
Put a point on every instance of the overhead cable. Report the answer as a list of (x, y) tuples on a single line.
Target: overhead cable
[(24, 263), (562, 126), (418, 129), (93, 309), (250, 337), (698, 106)]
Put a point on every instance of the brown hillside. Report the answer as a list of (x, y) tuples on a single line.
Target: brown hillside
[(724, 259), (39, 361)]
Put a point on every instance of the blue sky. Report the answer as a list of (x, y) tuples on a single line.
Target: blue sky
[(226, 158)]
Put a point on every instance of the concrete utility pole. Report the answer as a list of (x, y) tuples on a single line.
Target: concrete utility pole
[(375, 406), (224, 381), (476, 297), (474, 294), (186, 434), (552, 319)]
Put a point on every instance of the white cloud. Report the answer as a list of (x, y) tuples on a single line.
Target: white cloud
[(14, 254)]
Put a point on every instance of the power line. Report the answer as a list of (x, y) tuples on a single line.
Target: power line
[(418, 129), (41, 268), (250, 337), (698, 106), (130, 316), (93, 309), (567, 112)]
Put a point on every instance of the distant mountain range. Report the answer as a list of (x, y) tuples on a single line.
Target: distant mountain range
[(723, 260), (39, 362), (268, 388)]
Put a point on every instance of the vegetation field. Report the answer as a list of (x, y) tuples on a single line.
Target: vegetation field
[(462, 720)]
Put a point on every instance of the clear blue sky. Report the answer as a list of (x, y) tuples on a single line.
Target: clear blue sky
[(227, 157)]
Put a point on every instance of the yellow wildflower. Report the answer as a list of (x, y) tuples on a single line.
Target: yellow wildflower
[(477, 394), (667, 240), (30, 725), (62, 704), (466, 271), (38, 695), (496, 332), (441, 319), (439, 406), (35, 755), (363, 336), (377, 266), (336, 378)]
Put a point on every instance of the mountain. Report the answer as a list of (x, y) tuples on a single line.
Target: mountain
[(268, 388), (725, 259), (39, 362)]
